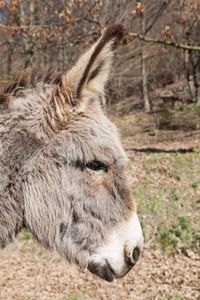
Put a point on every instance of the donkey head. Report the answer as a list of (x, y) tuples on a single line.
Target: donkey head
[(76, 197)]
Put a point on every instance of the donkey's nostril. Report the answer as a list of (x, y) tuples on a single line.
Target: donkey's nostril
[(135, 254), (133, 257)]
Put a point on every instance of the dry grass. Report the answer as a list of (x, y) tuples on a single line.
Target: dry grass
[(28, 272)]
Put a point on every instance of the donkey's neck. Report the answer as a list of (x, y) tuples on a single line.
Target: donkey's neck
[(16, 147)]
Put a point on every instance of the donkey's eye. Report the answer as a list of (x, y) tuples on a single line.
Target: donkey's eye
[(97, 165)]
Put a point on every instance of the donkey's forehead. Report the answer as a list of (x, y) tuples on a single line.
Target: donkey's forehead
[(94, 136)]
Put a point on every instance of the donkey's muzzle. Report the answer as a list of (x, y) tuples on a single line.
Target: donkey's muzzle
[(120, 253), (104, 271)]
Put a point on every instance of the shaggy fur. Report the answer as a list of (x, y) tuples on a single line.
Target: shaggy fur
[(52, 130)]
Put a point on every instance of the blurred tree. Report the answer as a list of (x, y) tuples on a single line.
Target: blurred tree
[(140, 11), (190, 18)]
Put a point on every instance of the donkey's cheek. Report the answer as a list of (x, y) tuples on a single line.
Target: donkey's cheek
[(98, 182)]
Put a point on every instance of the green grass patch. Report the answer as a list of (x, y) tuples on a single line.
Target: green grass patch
[(79, 296), (177, 296), (179, 235), (26, 235), (75, 296), (168, 199)]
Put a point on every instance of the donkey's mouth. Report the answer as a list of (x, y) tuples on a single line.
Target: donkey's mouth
[(104, 271)]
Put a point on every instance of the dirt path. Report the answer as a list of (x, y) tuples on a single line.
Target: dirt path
[(28, 272)]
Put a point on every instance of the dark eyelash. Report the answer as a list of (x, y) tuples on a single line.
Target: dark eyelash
[(97, 165)]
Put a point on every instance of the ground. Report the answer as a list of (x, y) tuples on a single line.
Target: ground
[(28, 272), (164, 170)]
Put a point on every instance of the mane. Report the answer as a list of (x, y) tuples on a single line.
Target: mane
[(28, 79)]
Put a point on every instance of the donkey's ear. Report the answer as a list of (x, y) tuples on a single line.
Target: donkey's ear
[(90, 73), (92, 69)]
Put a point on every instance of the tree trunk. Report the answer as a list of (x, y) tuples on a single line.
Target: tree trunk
[(9, 59), (196, 73), (189, 75), (28, 43), (144, 84), (147, 107), (198, 94)]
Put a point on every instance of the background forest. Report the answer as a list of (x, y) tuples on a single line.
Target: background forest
[(54, 33), (153, 96)]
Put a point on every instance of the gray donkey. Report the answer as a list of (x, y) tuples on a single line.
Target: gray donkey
[(62, 167)]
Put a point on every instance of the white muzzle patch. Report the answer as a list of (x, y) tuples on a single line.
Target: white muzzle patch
[(121, 242)]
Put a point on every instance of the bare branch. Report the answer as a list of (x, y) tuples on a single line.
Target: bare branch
[(163, 42)]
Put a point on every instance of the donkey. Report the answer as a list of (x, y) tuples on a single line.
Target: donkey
[(62, 167)]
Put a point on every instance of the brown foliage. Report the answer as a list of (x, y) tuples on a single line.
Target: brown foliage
[(54, 33)]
